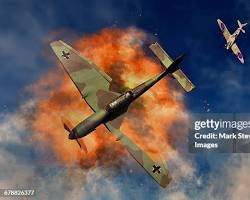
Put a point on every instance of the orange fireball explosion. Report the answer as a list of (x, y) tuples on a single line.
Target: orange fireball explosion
[(119, 53)]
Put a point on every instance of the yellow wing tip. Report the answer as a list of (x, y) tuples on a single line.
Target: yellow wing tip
[(190, 88), (57, 43), (54, 42)]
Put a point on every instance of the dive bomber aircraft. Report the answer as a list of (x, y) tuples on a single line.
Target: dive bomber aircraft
[(110, 107), (230, 39)]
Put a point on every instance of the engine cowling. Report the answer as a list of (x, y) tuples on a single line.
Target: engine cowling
[(88, 125)]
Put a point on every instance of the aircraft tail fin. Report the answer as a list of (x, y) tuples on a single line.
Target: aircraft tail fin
[(176, 72), (68, 126), (241, 26), (174, 66)]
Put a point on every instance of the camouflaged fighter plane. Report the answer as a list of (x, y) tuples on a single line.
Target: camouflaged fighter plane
[(110, 107), (230, 39)]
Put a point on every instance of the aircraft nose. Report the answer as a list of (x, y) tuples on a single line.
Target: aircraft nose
[(72, 135)]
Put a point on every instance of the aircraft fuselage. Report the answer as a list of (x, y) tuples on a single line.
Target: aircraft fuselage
[(113, 109), (232, 39), (118, 106)]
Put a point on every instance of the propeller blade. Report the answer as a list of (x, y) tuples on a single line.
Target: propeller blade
[(66, 127), (67, 124), (78, 143), (82, 145)]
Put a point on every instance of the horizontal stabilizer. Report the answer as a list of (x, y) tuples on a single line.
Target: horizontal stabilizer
[(166, 60), (241, 26)]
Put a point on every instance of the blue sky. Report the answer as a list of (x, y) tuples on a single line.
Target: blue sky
[(188, 27), (182, 27)]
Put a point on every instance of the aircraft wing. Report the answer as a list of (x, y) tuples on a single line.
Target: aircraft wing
[(237, 52), (158, 170), (224, 30), (166, 60), (91, 82)]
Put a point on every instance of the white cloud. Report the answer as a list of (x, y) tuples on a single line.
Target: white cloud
[(50, 180)]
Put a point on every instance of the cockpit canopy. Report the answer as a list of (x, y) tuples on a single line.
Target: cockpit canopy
[(124, 98)]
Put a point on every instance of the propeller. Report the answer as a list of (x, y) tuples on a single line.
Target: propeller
[(68, 126)]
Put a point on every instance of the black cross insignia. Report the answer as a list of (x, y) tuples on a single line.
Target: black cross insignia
[(156, 169), (65, 54)]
